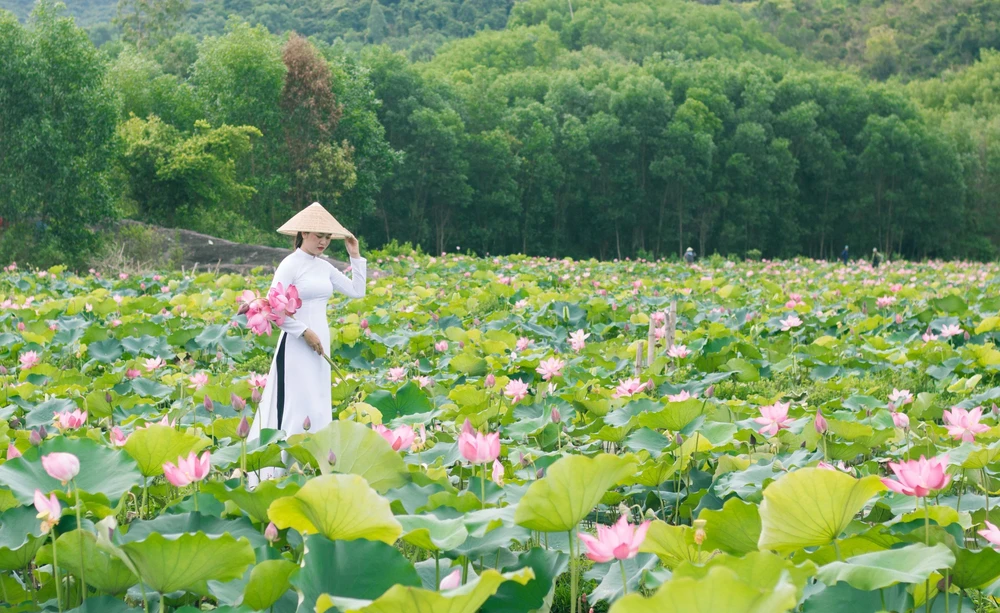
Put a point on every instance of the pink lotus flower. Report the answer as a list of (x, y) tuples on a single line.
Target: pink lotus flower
[(774, 417), (260, 320), (678, 352), (132, 373), (441, 346), (283, 302), (453, 580), (256, 380), (12, 452), (400, 438), (188, 470), (680, 397), (991, 534), (28, 359), (620, 541), (901, 420), (198, 380), (152, 364), (918, 477), (820, 423), (549, 368), (490, 380), (900, 397), (497, 473), (69, 421), (885, 301), (478, 448), (424, 381), (792, 321), (522, 343), (963, 424), (578, 340), (516, 390), (844, 468), (61, 466), (950, 330), (397, 374), (929, 336), (48, 509), (118, 438), (629, 387)]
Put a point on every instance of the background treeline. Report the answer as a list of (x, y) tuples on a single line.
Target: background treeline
[(605, 128)]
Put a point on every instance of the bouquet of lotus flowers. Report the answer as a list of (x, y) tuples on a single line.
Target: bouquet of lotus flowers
[(265, 312)]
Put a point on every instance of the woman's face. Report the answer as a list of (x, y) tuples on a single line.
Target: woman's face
[(314, 243)]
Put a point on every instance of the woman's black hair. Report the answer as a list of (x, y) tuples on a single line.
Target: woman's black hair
[(298, 240)]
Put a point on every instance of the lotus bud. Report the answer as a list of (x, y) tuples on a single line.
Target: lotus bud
[(107, 397), (42, 432), (331, 458), (238, 403), (306, 424), (490, 380), (3, 369), (539, 473), (710, 392), (678, 439), (820, 423), (364, 324), (967, 336), (209, 405), (243, 430), (996, 409), (623, 509), (649, 514), (753, 439), (583, 598), (35, 438), (524, 459), (699, 531), (244, 309), (255, 396), (15, 423), (556, 416), (271, 532)]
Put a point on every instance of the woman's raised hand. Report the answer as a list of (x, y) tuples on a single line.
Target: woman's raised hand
[(312, 339), (353, 249)]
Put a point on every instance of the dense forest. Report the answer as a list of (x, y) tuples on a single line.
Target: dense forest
[(604, 128)]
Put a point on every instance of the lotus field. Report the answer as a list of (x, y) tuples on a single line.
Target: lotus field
[(511, 435)]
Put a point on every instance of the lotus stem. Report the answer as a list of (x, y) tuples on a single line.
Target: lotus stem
[(572, 574), (437, 569), (482, 487), (79, 526), (55, 572), (3, 590), (927, 542), (621, 563)]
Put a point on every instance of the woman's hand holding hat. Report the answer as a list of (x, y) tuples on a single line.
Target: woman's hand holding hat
[(353, 249)]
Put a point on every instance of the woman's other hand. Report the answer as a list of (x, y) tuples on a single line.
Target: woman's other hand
[(313, 341), (353, 249)]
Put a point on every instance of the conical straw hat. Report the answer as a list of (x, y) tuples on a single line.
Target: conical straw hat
[(314, 218)]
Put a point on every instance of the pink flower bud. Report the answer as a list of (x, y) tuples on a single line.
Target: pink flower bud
[(490, 380), (364, 324), (255, 395), (271, 532), (238, 403), (556, 416), (710, 391), (306, 424), (820, 423), (35, 438), (243, 430), (331, 458), (209, 405)]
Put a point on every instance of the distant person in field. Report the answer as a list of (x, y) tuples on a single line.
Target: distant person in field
[(298, 386), (876, 257), (844, 256), (689, 256)]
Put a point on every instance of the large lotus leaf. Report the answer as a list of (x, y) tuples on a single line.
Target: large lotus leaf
[(152, 446), (464, 599), (105, 572), (20, 537), (359, 450), (872, 571), (188, 561), (42, 413), (842, 598), (756, 568), (268, 583), (735, 528), (571, 488), (105, 351), (514, 597), (408, 400), (721, 589), (431, 533), (975, 569), (104, 604), (150, 389), (252, 502), (350, 569), (675, 416), (185, 523), (340, 507), (673, 544), (609, 577), (811, 507), (105, 474)]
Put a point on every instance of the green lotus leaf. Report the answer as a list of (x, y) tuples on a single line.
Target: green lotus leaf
[(756, 568), (340, 507), (105, 572), (721, 589), (104, 604), (467, 598), (360, 451), (268, 583), (571, 488), (350, 569), (873, 571), (105, 474), (673, 544), (975, 569), (407, 400), (468, 364), (252, 502), (173, 525), (188, 561), (515, 597), (152, 446), (106, 352), (735, 528), (20, 537), (431, 533), (811, 507), (675, 416)]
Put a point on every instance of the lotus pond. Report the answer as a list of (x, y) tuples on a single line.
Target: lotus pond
[(514, 435)]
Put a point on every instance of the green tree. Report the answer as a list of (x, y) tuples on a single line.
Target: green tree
[(378, 29), (145, 23)]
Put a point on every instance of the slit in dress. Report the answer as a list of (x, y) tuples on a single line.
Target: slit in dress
[(281, 380)]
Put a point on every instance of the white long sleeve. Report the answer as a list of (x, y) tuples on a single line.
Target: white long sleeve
[(355, 286), (285, 274)]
